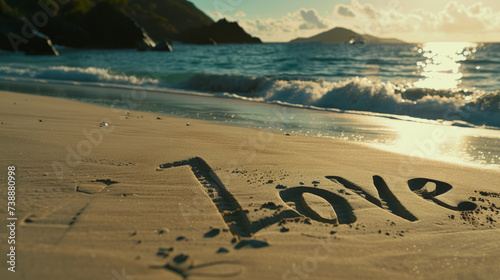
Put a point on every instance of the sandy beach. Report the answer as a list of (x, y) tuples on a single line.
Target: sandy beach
[(114, 194)]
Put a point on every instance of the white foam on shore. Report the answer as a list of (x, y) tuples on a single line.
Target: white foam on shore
[(475, 108), (65, 73), (355, 95)]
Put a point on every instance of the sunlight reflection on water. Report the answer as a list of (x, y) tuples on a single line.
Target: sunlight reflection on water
[(441, 67)]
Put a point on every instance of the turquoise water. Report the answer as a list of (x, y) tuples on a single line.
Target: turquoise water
[(377, 94), (438, 81)]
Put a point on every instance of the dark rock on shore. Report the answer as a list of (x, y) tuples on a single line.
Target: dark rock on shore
[(167, 18), (99, 25), (162, 46), (14, 36), (66, 33), (221, 32), (108, 28), (103, 27), (40, 45)]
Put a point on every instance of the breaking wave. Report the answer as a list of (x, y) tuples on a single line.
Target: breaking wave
[(458, 107), (358, 94), (76, 74)]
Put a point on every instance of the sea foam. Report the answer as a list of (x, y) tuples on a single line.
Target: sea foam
[(65, 73), (358, 94), (458, 107)]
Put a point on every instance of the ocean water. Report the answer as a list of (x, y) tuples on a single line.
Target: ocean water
[(317, 89)]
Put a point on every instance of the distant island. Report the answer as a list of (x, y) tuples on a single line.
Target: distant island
[(344, 35)]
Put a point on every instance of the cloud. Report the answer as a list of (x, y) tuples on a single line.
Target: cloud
[(476, 8), (454, 19), (216, 15), (270, 25), (344, 10), (240, 14), (367, 9), (302, 23), (459, 18), (311, 19)]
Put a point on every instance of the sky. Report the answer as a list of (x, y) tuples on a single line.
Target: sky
[(409, 20)]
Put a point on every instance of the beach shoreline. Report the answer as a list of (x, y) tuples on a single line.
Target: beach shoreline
[(104, 192), (457, 142)]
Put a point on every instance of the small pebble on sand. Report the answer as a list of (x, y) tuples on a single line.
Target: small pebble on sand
[(222, 250)]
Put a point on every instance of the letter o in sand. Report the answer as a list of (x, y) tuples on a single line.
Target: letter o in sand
[(318, 208)]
